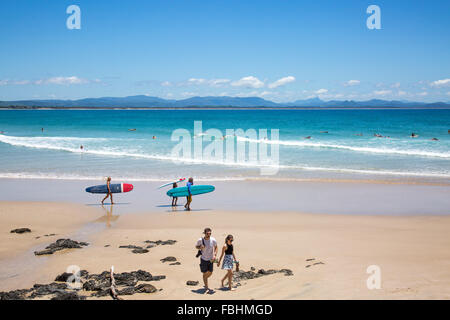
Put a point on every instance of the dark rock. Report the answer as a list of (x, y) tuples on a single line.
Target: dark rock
[(320, 262), (139, 250), (40, 290), (101, 293), (192, 283), (161, 242), (175, 263), (96, 285), (142, 275), (130, 247), (61, 244), (264, 272), (126, 291), (15, 294), (157, 278), (63, 277), (84, 273), (248, 275), (170, 259), (145, 288), (68, 296), (311, 259), (20, 230), (125, 279), (107, 245), (287, 272), (150, 246)]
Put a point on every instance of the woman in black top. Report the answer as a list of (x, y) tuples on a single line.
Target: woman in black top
[(228, 259)]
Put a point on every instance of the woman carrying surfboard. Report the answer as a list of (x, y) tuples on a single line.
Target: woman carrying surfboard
[(109, 194), (189, 197)]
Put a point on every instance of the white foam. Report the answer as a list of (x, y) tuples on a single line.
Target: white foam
[(309, 144)]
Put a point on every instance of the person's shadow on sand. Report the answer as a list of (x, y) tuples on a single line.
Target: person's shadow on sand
[(203, 291)]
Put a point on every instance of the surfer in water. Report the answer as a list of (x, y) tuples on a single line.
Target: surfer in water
[(228, 260), (189, 197), (174, 199), (108, 182)]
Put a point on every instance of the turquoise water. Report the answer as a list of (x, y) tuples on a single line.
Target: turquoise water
[(342, 144)]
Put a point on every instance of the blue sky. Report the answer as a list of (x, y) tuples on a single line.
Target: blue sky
[(279, 50)]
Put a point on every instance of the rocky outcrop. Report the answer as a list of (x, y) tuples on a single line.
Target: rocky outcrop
[(61, 244), (248, 275), (95, 285), (21, 230), (161, 242), (168, 259)]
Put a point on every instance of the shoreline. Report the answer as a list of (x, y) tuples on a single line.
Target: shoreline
[(328, 197), (225, 108), (410, 250)]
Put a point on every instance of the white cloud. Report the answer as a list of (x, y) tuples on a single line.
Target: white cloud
[(382, 92), (401, 93), (321, 91), (422, 94), (196, 81), (166, 84), (395, 85), (350, 83), (62, 81), (218, 82), (249, 82), (54, 80), (281, 82), (441, 83), (208, 82)]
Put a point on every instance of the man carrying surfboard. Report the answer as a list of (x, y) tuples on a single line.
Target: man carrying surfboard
[(189, 197), (109, 194)]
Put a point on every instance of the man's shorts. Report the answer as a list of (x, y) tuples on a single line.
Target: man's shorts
[(206, 266)]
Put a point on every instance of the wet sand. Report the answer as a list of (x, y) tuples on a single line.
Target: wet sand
[(319, 196), (411, 251)]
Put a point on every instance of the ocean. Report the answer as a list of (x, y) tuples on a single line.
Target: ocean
[(342, 144)]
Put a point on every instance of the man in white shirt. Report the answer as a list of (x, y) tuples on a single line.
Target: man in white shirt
[(208, 247)]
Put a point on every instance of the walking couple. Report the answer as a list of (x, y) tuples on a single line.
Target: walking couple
[(207, 247)]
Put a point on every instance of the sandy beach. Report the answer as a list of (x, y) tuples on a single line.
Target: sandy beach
[(328, 253)]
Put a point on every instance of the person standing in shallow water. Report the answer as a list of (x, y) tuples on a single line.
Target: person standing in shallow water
[(189, 197), (108, 182), (174, 199), (228, 260)]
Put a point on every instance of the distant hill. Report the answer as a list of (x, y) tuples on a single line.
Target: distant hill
[(142, 101)]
